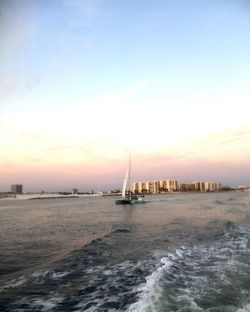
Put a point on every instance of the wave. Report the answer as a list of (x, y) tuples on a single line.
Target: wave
[(211, 276), (201, 278)]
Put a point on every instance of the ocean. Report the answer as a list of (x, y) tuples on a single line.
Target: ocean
[(177, 252)]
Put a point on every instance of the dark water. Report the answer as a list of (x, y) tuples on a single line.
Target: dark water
[(182, 252)]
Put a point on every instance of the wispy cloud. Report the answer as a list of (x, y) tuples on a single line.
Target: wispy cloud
[(32, 135), (127, 92), (227, 137), (36, 160), (10, 86), (228, 144), (59, 148), (211, 157)]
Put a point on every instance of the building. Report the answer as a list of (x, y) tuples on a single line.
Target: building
[(243, 187), (17, 188), (172, 185), (185, 187), (205, 186), (211, 187), (155, 187), (163, 186)]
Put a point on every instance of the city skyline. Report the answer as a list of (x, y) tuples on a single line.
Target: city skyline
[(162, 184), (152, 186), (85, 83)]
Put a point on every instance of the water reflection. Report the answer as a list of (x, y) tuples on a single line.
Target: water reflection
[(128, 212)]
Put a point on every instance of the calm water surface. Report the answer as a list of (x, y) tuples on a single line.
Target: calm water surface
[(178, 252)]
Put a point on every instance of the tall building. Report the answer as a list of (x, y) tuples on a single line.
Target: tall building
[(163, 186), (155, 187), (17, 188)]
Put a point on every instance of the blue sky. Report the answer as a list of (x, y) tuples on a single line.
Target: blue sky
[(84, 83)]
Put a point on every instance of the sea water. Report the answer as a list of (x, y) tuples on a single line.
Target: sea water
[(177, 252)]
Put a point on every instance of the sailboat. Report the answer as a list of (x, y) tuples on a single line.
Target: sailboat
[(127, 196)]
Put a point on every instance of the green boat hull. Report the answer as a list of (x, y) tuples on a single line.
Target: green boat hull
[(122, 201), (137, 201), (127, 201)]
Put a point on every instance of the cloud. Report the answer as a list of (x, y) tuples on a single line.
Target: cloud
[(183, 169), (215, 157), (36, 160), (28, 133), (124, 93), (59, 148), (8, 88), (14, 85), (227, 137)]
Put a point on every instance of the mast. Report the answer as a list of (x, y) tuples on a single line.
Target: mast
[(124, 187), (129, 177), (127, 181)]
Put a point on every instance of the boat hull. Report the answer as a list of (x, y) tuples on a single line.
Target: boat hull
[(129, 201), (137, 201), (122, 201)]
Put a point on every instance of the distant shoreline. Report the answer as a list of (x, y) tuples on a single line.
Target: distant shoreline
[(29, 196), (42, 196), (53, 197)]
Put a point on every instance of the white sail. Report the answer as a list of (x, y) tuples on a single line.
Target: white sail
[(125, 182), (129, 198)]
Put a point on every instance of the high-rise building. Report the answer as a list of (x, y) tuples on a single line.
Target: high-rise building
[(163, 186), (17, 188)]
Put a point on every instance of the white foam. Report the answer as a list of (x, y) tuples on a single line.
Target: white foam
[(14, 283), (94, 308), (94, 269), (48, 273), (151, 290), (125, 264), (57, 275), (46, 305), (219, 260), (190, 300), (107, 272), (38, 274), (246, 308)]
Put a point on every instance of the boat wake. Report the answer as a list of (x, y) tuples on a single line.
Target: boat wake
[(208, 277), (201, 278)]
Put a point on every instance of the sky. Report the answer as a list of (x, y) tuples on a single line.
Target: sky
[(84, 83)]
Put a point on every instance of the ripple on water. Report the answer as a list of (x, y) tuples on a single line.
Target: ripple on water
[(198, 278), (189, 278)]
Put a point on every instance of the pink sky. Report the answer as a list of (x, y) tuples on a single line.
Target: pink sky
[(78, 94)]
